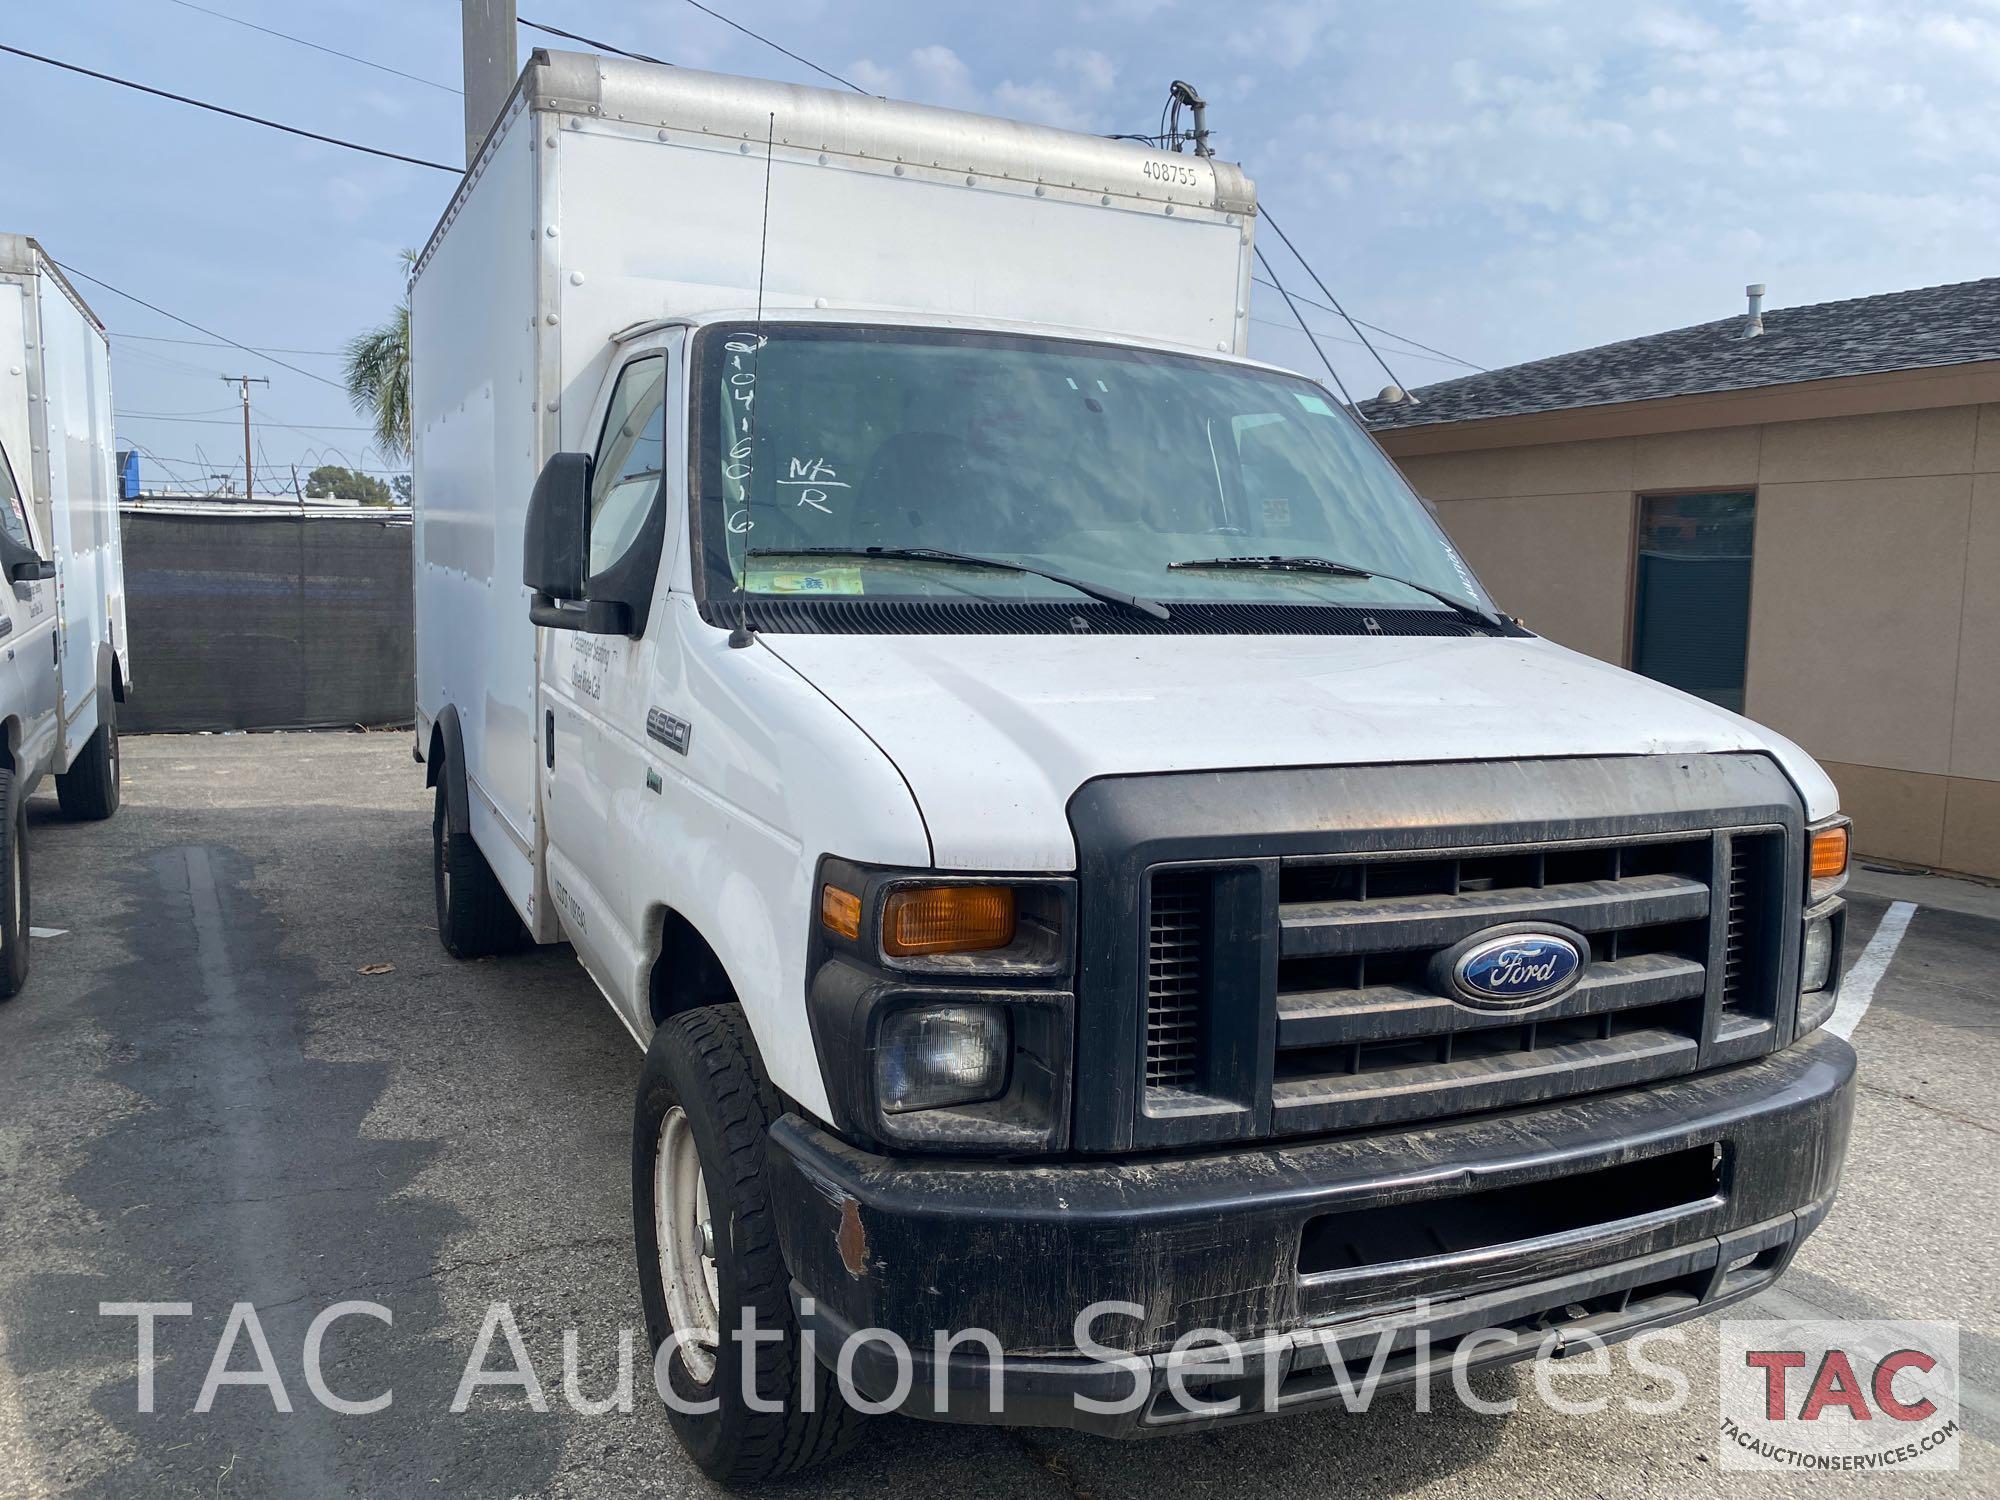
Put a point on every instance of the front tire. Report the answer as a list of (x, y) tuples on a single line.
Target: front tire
[(89, 788), (475, 919), (703, 1108), (13, 889)]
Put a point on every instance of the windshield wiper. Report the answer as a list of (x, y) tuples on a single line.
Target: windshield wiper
[(938, 554), (1308, 564)]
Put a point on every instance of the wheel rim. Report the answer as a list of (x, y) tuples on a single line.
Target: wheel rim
[(686, 1237)]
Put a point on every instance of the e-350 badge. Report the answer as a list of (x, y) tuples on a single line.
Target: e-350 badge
[(669, 731)]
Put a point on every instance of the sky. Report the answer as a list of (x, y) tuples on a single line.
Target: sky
[(1497, 179)]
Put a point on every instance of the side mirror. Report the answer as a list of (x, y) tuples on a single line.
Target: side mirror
[(555, 552), (21, 563)]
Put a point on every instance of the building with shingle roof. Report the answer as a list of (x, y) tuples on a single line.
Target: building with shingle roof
[(1792, 511), (1924, 329)]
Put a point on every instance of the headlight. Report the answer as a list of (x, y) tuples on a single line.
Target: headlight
[(1826, 859), (1816, 961), (932, 1057), (943, 1006)]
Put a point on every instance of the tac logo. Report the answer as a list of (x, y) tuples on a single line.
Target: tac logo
[(1839, 1396)]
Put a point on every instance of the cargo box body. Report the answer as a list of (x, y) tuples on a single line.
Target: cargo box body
[(613, 193), (56, 431)]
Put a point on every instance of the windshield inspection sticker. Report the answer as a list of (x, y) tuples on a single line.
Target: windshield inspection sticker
[(816, 581), (1312, 403)]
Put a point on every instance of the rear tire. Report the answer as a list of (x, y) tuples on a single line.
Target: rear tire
[(703, 1079), (475, 919), (89, 788), (13, 889)]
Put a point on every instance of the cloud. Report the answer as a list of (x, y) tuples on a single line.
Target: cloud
[(1070, 94), (1554, 175), (1287, 34)]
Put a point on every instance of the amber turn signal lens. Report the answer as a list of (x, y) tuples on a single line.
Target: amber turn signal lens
[(1829, 853), (840, 911), (947, 919)]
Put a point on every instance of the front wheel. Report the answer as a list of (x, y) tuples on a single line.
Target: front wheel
[(708, 1251), (13, 889)]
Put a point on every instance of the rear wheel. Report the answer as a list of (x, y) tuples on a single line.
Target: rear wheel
[(13, 890), (89, 788), (707, 1250), (475, 918)]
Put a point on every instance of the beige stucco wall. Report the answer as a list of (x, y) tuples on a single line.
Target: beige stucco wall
[(1875, 590)]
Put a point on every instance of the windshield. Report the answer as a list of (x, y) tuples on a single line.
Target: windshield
[(1109, 465)]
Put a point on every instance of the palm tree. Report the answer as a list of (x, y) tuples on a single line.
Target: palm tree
[(378, 376)]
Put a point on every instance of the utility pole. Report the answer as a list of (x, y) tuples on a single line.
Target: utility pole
[(492, 59), (245, 382)]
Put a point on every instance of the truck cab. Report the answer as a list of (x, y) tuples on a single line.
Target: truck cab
[(62, 580), (1088, 864)]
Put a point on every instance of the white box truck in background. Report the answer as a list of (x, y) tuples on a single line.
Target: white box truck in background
[(62, 601), (1086, 860)]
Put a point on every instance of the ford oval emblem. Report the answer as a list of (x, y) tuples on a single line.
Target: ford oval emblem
[(1513, 969)]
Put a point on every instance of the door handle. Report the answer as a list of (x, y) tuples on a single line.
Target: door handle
[(549, 737)]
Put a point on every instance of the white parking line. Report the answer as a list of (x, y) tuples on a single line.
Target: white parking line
[(1857, 985)]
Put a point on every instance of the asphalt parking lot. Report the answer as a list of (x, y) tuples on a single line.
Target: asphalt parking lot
[(243, 1070)]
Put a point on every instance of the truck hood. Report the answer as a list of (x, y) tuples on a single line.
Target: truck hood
[(995, 733)]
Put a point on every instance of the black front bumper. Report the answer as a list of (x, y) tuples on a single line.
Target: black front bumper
[(1686, 1196)]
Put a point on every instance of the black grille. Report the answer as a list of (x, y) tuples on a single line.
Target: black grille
[(1365, 1036), (1683, 933), (1085, 617), (1175, 978), (1321, 895)]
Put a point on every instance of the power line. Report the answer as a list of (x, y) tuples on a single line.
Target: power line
[(204, 411), (234, 114), (1385, 332), (186, 323), (161, 338), (1336, 338), (754, 36), (573, 36), (307, 429), (147, 416), (804, 62), (1306, 329), (329, 51), (1326, 292)]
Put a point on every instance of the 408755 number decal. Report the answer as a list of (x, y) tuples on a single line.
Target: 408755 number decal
[(1173, 173)]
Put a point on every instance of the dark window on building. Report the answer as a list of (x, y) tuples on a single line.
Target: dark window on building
[(1691, 615)]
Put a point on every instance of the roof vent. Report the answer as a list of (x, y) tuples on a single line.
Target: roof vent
[(1754, 328), (1393, 395)]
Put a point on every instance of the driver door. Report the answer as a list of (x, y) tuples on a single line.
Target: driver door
[(594, 686)]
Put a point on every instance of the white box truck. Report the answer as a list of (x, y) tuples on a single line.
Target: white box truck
[(1085, 860), (62, 603)]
